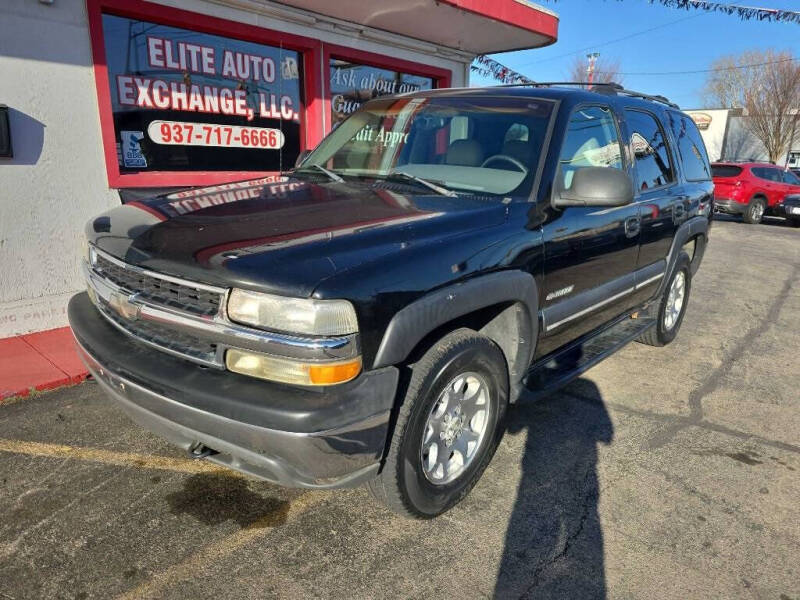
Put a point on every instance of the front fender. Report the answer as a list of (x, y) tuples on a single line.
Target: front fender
[(516, 288)]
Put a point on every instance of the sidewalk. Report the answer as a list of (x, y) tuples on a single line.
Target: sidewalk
[(39, 361)]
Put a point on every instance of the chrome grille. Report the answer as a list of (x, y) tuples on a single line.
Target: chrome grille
[(163, 292), (170, 340)]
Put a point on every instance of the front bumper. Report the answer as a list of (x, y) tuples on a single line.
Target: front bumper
[(731, 207), (314, 438)]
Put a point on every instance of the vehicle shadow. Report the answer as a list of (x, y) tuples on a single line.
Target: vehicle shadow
[(554, 542)]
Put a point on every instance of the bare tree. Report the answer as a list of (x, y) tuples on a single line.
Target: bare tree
[(766, 85), (730, 77), (606, 70)]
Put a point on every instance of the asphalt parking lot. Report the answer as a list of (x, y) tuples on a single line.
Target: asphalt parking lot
[(661, 473)]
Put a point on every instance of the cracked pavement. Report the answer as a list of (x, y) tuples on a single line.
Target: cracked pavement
[(661, 473)]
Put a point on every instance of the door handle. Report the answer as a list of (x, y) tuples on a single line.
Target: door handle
[(632, 226)]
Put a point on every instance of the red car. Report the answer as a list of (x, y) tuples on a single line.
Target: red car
[(752, 189)]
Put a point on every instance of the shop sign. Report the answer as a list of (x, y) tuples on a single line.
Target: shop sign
[(352, 84), (702, 120), (189, 101)]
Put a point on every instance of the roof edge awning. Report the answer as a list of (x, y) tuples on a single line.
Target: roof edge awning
[(470, 26)]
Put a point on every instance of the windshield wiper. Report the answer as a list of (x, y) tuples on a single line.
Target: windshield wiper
[(333, 176), (428, 184)]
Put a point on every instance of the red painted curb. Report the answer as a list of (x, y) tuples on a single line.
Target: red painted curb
[(39, 361)]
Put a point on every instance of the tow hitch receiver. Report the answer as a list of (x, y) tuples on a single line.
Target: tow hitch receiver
[(200, 450)]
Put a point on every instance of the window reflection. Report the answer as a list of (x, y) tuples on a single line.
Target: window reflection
[(352, 84), (591, 141), (653, 166)]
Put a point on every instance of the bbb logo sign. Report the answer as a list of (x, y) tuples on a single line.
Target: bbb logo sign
[(132, 150)]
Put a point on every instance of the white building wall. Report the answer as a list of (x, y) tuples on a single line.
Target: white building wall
[(741, 144), (57, 178), (728, 138)]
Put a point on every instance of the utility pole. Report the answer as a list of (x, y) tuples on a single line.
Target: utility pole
[(590, 67), (796, 112)]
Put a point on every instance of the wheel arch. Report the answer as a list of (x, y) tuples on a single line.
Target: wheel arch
[(696, 229), (502, 306)]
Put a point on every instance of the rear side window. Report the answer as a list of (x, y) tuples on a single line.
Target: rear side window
[(653, 166), (775, 175), (691, 147), (767, 174), (725, 171), (591, 140)]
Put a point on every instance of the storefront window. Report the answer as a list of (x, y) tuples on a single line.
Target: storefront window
[(189, 101), (353, 84)]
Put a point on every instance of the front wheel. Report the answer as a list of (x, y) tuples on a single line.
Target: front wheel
[(448, 426), (672, 307)]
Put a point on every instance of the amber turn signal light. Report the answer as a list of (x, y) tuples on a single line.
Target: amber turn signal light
[(336, 373)]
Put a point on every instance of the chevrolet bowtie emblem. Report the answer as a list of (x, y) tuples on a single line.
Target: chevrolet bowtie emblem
[(123, 305)]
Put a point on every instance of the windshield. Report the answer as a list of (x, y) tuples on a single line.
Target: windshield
[(487, 146)]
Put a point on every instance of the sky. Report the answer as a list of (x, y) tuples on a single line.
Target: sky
[(679, 40)]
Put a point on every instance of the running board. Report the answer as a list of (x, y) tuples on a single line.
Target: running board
[(557, 370)]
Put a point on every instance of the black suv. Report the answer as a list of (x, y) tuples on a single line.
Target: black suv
[(370, 317)]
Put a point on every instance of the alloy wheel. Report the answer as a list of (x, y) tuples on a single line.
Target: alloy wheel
[(456, 428), (675, 297)]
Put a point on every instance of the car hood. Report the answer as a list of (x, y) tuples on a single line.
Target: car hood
[(282, 235)]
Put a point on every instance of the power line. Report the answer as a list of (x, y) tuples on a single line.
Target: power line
[(614, 41), (740, 10), (771, 62)]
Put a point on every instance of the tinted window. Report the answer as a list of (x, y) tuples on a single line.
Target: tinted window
[(725, 171), (189, 101), (691, 148), (790, 178), (653, 167), (591, 140), (775, 175), (767, 174)]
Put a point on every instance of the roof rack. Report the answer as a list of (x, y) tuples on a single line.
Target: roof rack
[(654, 98), (604, 87)]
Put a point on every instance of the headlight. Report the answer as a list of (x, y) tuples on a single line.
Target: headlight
[(88, 251), (305, 316)]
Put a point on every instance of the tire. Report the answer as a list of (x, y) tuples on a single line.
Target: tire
[(407, 483), (755, 211), (666, 329), (794, 222)]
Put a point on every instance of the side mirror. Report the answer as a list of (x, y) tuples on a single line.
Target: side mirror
[(301, 157), (596, 186)]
